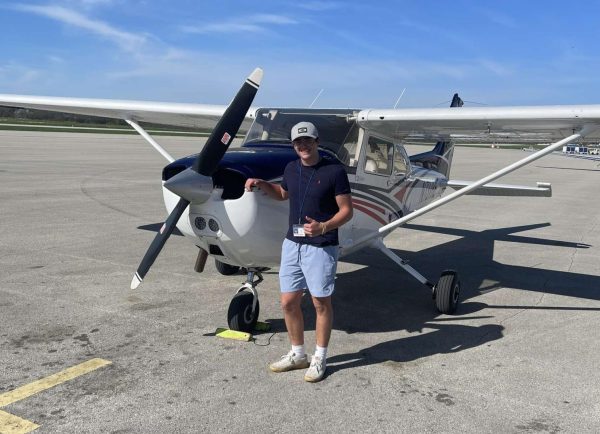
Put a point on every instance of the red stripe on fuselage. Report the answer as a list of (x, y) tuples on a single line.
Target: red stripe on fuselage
[(368, 204), (370, 213), (400, 193)]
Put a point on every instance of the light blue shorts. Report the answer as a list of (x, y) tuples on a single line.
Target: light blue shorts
[(304, 266)]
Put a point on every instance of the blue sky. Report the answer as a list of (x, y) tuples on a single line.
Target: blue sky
[(361, 53)]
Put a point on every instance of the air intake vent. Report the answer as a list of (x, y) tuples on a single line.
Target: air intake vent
[(200, 223), (215, 250), (231, 181), (171, 170)]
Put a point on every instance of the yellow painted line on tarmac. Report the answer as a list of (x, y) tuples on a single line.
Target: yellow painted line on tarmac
[(26, 391), (12, 424)]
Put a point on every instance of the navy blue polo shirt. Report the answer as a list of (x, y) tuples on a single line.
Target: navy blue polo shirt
[(312, 191)]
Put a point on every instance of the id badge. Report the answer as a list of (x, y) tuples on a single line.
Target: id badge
[(298, 230)]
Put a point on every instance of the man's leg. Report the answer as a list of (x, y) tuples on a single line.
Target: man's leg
[(291, 281), (294, 321), (292, 312), (324, 310), (319, 266), (318, 364)]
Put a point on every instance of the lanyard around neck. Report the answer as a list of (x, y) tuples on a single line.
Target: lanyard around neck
[(305, 191)]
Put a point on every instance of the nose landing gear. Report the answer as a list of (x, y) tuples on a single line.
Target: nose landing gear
[(244, 307)]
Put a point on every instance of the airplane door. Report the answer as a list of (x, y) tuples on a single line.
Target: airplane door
[(375, 178), (376, 163)]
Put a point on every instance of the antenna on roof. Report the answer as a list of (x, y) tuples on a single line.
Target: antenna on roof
[(399, 98), (316, 98)]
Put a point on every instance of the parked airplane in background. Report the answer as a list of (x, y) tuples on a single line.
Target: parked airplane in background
[(205, 195)]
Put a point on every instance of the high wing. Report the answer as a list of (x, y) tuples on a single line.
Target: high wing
[(183, 115), (533, 124), (555, 125), (527, 124)]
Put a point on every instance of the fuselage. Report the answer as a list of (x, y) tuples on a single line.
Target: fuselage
[(247, 228)]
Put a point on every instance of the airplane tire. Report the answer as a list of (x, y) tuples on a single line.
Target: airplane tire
[(447, 292), (226, 269), (239, 315)]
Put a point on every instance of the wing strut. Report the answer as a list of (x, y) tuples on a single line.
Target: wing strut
[(150, 140), (384, 230)]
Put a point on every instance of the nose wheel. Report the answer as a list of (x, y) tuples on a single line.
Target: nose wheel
[(244, 308)]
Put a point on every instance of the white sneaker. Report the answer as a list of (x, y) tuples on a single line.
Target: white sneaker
[(316, 370), (289, 362)]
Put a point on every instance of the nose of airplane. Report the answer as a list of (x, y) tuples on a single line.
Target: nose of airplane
[(191, 186), (204, 166)]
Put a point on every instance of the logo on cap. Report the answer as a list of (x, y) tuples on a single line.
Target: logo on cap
[(302, 130)]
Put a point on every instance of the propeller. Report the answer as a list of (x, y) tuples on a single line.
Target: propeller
[(194, 184)]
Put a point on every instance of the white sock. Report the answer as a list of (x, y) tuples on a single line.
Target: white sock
[(298, 350), (321, 352)]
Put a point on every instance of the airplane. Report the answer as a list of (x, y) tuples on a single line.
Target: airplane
[(205, 197)]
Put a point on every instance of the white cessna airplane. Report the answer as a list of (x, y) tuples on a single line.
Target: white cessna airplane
[(205, 197)]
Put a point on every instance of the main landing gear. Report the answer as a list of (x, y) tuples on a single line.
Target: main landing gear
[(447, 291), (244, 307)]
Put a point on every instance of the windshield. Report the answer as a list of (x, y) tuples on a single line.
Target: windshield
[(275, 125)]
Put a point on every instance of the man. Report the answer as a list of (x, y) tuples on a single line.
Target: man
[(320, 202)]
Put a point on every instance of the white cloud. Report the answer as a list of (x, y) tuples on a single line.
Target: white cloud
[(253, 24), (126, 40), (203, 77)]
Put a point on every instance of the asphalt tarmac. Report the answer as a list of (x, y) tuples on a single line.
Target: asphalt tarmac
[(78, 211)]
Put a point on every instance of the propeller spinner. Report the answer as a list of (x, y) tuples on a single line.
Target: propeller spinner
[(195, 184)]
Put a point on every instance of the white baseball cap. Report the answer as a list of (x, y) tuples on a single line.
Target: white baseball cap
[(304, 129)]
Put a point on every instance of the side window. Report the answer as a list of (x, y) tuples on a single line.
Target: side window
[(379, 156), (348, 153), (400, 163)]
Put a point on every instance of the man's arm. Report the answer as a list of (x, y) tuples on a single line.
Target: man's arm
[(274, 191), (344, 202)]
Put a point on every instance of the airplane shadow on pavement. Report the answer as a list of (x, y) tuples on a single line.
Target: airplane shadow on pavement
[(446, 338), (383, 298), (472, 254)]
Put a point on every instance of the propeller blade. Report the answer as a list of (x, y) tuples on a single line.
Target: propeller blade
[(157, 244), (228, 126), (205, 164)]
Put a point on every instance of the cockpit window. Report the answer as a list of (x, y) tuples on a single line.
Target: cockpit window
[(379, 156), (335, 128), (350, 151)]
